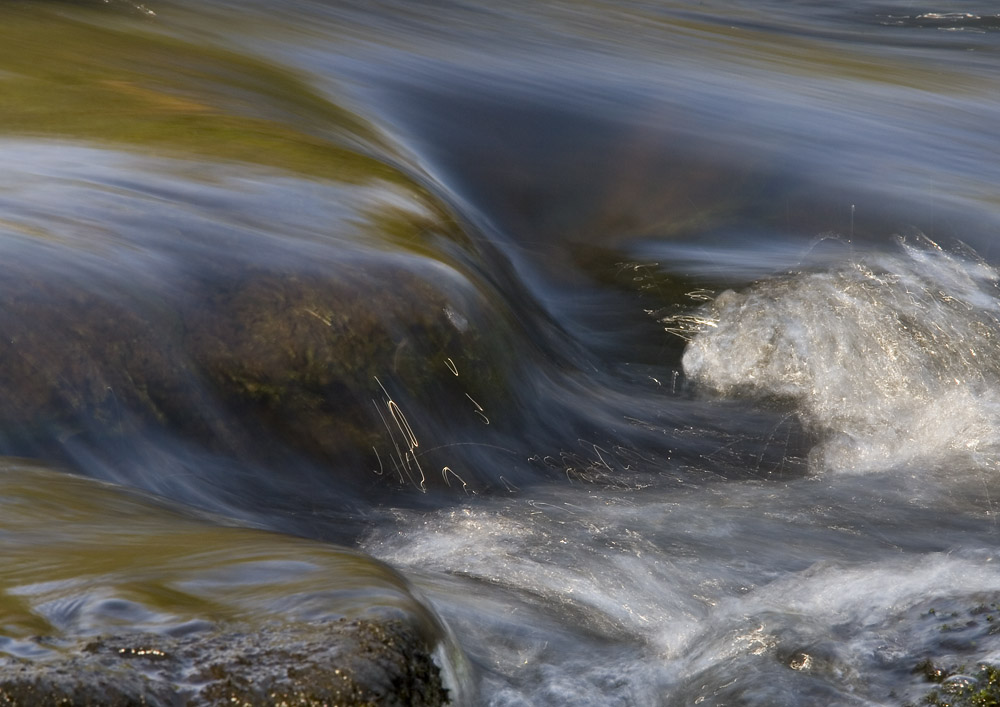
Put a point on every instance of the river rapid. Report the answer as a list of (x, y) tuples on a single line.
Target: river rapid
[(648, 353)]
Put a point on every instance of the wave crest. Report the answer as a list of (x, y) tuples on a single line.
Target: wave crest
[(888, 358)]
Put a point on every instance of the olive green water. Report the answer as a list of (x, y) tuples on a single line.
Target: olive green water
[(82, 557)]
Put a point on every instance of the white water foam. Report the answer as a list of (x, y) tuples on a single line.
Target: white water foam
[(743, 593), (889, 359)]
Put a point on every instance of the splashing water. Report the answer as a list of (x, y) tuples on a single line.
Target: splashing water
[(889, 358)]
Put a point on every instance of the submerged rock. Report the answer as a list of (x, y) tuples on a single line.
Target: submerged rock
[(961, 687), (250, 363), (165, 313), (305, 357), (264, 295), (112, 597)]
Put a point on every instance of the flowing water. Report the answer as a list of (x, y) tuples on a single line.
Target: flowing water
[(656, 344)]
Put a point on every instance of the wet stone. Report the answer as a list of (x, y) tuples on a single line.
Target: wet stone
[(113, 597), (960, 686), (244, 360), (302, 356), (359, 662)]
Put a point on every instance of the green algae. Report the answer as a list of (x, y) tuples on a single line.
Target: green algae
[(960, 686), (966, 628)]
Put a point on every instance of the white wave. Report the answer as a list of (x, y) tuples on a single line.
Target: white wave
[(890, 358)]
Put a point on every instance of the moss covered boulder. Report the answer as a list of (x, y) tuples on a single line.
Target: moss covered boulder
[(200, 244), (360, 663), (111, 597)]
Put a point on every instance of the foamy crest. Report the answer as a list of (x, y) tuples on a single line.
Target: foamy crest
[(889, 358)]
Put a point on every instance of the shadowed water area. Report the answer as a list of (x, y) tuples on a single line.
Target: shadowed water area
[(558, 353)]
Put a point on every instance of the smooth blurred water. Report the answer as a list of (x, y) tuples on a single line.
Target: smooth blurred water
[(655, 343)]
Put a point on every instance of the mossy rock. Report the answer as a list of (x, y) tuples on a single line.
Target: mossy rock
[(73, 358), (114, 597), (260, 356), (315, 358), (358, 663), (959, 686), (139, 295)]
